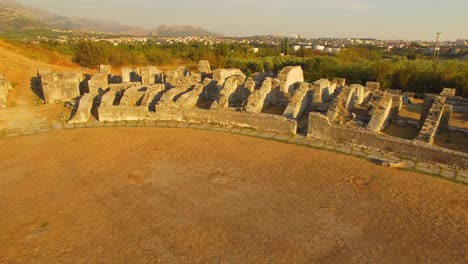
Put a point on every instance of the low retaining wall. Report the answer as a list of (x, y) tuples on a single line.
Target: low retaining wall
[(320, 127), (261, 122)]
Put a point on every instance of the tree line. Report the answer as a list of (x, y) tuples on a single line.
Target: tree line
[(357, 65)]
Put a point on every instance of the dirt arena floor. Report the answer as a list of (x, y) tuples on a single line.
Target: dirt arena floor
[(151, 195)]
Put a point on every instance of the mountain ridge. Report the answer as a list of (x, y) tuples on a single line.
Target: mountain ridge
[(16, 16)]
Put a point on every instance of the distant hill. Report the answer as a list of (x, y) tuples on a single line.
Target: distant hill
[(182, 31), (16, 16)]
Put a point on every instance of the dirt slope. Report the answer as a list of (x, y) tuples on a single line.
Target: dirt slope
[(148, 195), (19, 64)]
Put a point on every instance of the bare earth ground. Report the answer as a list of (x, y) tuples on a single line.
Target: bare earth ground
[(149, 195), (24, 106)]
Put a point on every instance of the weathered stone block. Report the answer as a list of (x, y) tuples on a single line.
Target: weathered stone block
[(340, 108), (105, 69), (190, 99), (98, 83), (60, 86), (322, 91), (259, 100), (149, 75), (226, 95), (373, 86), (298, 103), (204, 66), (449, 92), (130, 75), (221, 75), (380, 113), (83, 110), (289, 77), (432, 121), (445, 119)]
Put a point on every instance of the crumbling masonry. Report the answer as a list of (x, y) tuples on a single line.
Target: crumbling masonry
[(351, 114)]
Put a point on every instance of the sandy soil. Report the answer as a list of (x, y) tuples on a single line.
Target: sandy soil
[(149, 195)]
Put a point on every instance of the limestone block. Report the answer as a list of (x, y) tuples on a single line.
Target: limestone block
[(149, 75), (153, 95), (169, 96), (60, 86), (98, 83), (108, 99), (380, 113), (397, 104), (340, 82), (427, 104), (132, 96), (394, 91), (341, 105), (220, 75), (130, 75), (259, 100), (204, 66), (226, 94), (374, 86), (444, 121), (360, 94), (83, 111), (211, 91), (432, 121), (190, 99), (289, 77), (449, 92), (246, 90), (298, 102), (42, 71), (105, 69), (321, 91)]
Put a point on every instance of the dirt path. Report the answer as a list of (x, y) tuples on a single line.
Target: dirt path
[(149, 195), (24, 105)]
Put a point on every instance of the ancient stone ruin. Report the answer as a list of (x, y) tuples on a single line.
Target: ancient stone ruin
[(60, 86), (431, 118), (289, 78), (350, 114), (5, 87), (448, 92), (204, 67)]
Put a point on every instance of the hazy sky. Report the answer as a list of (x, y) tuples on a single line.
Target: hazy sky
[(384, 19)]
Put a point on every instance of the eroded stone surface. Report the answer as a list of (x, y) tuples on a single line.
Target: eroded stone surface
[(298, 102), (258, 100), (226, 94), (221, 75), (289, 77), (204, 66), (380, 112), (432, 121), (341, 105), (83, 111), (98, 83), (60, 86)]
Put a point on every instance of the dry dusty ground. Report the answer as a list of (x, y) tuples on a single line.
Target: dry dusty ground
[(24, 105), (149, 195)]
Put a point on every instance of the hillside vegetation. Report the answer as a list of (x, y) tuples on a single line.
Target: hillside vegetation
[(357, 65)]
